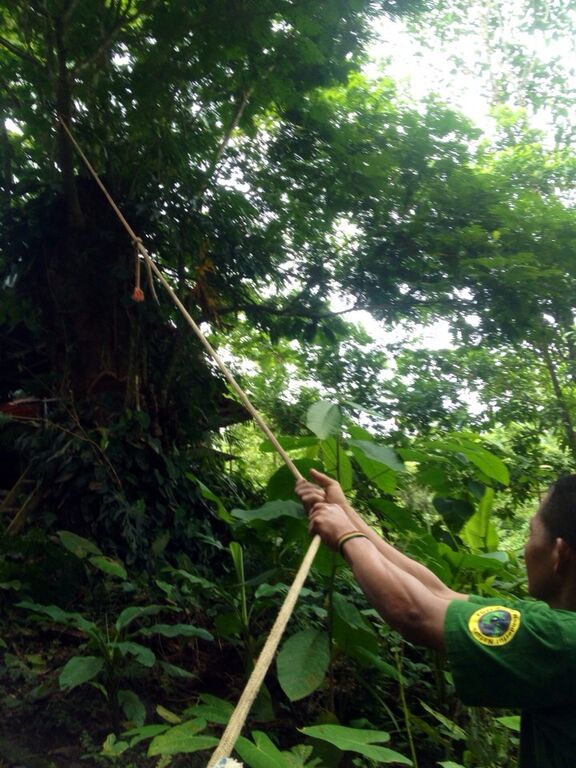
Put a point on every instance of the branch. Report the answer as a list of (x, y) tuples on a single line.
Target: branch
[(72, 5), (17, 51), (287, 311), (122, 18)]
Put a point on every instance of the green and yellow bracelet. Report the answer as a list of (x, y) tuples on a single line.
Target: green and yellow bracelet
[(347, 536)]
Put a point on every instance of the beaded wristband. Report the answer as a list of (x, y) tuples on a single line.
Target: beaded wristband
[(348, 536)]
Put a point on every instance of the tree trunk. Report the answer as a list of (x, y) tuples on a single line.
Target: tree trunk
[(6, 153), (65, 150)]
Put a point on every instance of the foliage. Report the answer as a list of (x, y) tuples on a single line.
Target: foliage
[(112, 649)]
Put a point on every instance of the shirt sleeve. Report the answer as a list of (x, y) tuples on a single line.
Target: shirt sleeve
[(520, 654)]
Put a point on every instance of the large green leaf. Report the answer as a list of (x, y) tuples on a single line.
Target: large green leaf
[(489, 464), (79, 670), (379, 453), (302, 663), (455, 512), (175, 630), (465, 561), (132, 707), (174, 671), (78, 545), (109, 566), (60, 616), (376, 471), (209, 495), (182, 739), (136, 735), (350, 629), (128, 615), (512, 722), (357, 740), (272, 510), (290, 443), (281, 484), (453, 729), (399, 517), (262, 754), (479, 532), (212, 709), (324, 419), (336, 462), (142, 654)]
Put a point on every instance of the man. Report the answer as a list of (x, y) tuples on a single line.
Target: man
[(513, 653)]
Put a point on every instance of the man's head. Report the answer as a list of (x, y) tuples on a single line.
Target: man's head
[(550, 551)]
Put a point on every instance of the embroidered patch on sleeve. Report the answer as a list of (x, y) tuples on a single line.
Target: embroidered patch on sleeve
[(494, 625)]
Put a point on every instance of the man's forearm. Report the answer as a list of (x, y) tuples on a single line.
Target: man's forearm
[(401, 598), (424, 575)]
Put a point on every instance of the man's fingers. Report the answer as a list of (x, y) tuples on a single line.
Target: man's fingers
[(323, 480)]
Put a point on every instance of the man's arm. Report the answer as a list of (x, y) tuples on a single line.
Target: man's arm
[(329, 490), (406, 604)]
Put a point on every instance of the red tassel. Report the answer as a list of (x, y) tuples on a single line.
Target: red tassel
[(138, 294)]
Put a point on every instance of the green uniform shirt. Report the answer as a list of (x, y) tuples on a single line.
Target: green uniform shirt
[(519, 654)]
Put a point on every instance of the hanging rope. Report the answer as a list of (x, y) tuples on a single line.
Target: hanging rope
[(242, 710)]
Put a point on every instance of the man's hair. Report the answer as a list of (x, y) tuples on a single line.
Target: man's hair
[(558, 512)]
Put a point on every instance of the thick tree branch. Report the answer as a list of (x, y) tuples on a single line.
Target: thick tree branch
[(264, 309), (20, 52), (105, 44)]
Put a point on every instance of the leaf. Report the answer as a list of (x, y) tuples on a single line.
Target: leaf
[(402, 519), (324, 419), (336, 462), (281, 484), (479, 532), (142, 654), (376, 471), (290, 443), (262, 754), (132, 707), (357, 740), (143, 732), (177, 672), (450, 764), (272, 510), (212, 709), (379, 453), (302, 663), (454, 512), (112, 747), (489, 464), (79, 670), (450, 726), (128, 615), (209, 495), (512, 722), (109, 566), (60, 616), (166, 714), (351, 630), (182, 739), (175, 630), (77, 544)]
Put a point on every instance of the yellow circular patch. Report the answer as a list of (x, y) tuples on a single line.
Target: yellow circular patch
[(494, 624)]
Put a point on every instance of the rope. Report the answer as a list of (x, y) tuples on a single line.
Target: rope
[(234, 727)]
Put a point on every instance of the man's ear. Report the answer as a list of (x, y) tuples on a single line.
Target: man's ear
[(564, 557)]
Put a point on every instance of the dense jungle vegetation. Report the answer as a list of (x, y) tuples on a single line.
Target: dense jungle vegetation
[(149, 532)]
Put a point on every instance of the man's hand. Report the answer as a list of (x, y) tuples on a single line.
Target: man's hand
[(324, 489), (330, 522)]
